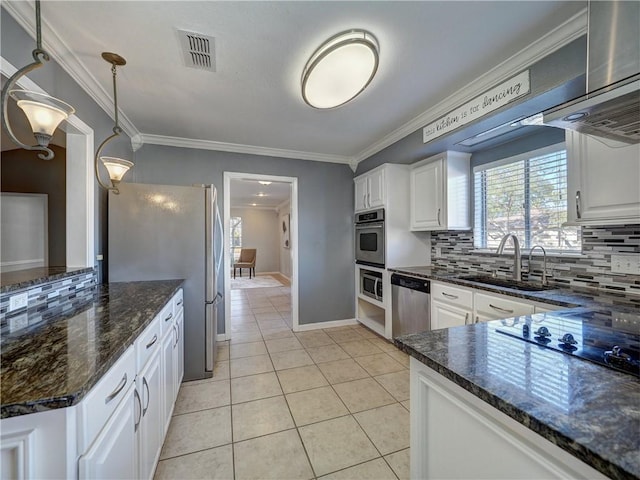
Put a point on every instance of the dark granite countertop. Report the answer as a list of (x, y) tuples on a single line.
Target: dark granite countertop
[(588, 410), (55, 363), (11, 281), (561, 296)]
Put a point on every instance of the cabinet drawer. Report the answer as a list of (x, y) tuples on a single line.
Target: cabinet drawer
[(166, 317), (104, 398), (453, 295), (178, 300), (501, 307), (149, 341)]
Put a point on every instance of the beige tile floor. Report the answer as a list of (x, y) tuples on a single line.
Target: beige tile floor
[(325, 404)]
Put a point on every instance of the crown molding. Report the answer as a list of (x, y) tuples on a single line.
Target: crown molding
[(239, 148), (24, 14), (557, 38)]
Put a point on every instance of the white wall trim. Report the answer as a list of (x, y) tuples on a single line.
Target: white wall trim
[(24, 14), (333, 323), (239, 148), (80, 198), (227, 177), (557, 38)]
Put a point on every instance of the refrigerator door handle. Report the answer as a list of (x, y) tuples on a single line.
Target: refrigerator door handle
[(219, 298)]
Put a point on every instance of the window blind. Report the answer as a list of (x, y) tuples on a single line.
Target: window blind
[(525, 195)]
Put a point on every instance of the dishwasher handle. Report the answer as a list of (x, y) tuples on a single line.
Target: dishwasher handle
[(412, 283)]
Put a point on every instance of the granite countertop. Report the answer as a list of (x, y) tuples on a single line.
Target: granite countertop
[(11, 281), (588, 410), (54, 364)]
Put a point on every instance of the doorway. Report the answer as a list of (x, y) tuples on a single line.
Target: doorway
[(261, 214)]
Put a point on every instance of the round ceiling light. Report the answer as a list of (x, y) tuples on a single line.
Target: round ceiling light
[(340, 69)]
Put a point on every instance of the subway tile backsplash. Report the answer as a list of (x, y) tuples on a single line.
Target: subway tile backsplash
[(591, 269)]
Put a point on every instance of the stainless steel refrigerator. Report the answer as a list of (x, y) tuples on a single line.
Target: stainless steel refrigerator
[(160, 232)]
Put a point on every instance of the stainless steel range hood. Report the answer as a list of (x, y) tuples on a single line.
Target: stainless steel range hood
[(611, 107)]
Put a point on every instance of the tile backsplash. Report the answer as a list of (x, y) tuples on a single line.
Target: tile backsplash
[(591, 269)]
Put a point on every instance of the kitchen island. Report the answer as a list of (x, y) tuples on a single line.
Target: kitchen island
[(548, 399)]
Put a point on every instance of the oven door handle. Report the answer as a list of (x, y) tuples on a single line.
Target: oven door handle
[(375, 289), (370, 226)]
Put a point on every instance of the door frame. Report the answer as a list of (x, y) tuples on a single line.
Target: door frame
[(227, 177), (80, 199)]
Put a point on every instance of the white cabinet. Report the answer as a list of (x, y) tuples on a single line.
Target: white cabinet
[(494, 307), (370, 190), (151, 429), (439, 192), (603, 181), (168, 375), (454, 434), (451, 306), (112, 454)]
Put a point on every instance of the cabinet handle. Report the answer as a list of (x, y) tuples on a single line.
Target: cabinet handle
[(137, 424), (146, 385), (477, 319), (169, 317), (505, 310), (369, 200), (118, 389), (578, 204), (448, 295), (152, 342), (439, 216), (466, 317), (180, 302), (175, 330), (364, 199)]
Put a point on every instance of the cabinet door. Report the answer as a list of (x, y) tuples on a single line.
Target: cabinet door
[(602, 181), (113, 454), (151, 429), (427, 194), (445, 316), (361, 191), (168, 373), (376, 194), (178, 352)]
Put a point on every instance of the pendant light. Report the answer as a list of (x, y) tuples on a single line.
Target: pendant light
[(340, 69), (117, 167), (44, 112)]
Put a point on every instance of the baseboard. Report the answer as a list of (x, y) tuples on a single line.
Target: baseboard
[(331, 324)]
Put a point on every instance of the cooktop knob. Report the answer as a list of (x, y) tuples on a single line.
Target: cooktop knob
[(542, 332), (567, 340)]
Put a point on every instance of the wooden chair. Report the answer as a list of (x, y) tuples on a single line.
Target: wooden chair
[(247, 260)]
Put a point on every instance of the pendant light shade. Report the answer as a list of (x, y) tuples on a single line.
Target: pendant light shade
[(117, 167), (340, 69), (43, 112)]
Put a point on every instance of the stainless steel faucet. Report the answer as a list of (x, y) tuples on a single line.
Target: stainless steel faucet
[(544, 263), (517, 261)]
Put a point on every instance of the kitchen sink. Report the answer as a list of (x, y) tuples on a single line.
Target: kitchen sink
[(507, 283)]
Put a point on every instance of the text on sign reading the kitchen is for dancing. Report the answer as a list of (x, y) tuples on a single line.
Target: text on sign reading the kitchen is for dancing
[(489, 101)]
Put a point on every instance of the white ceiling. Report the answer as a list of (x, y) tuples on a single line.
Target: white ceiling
[(428, 51), (250, 193)]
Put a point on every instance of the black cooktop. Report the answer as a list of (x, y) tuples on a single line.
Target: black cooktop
[(608, 338)]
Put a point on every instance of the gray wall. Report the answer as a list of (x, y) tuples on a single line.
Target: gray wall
[(325, 208), (555, 79), (260, 230), (16, 46), (23, 172)]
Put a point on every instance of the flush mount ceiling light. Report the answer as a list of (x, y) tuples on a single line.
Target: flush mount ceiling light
[(117, 167), (263, 182), (44, 113), (340, 69)]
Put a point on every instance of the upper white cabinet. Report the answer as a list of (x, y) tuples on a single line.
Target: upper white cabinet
[(370, 190), (603, 181), (439, 191)]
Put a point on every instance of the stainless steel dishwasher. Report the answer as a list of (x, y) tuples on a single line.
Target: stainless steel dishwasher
[(410, 304)]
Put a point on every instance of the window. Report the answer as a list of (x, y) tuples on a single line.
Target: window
[(525, 195), (236, 237)]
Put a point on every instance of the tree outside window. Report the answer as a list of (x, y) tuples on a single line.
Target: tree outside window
[(236, 237)]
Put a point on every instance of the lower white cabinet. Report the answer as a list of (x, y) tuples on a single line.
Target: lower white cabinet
[(151, 429), (444, 315), (111, 454), (494, 307), (117, 430), (454, 434)]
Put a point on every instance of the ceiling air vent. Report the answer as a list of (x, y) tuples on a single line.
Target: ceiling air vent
[(198, 50)]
